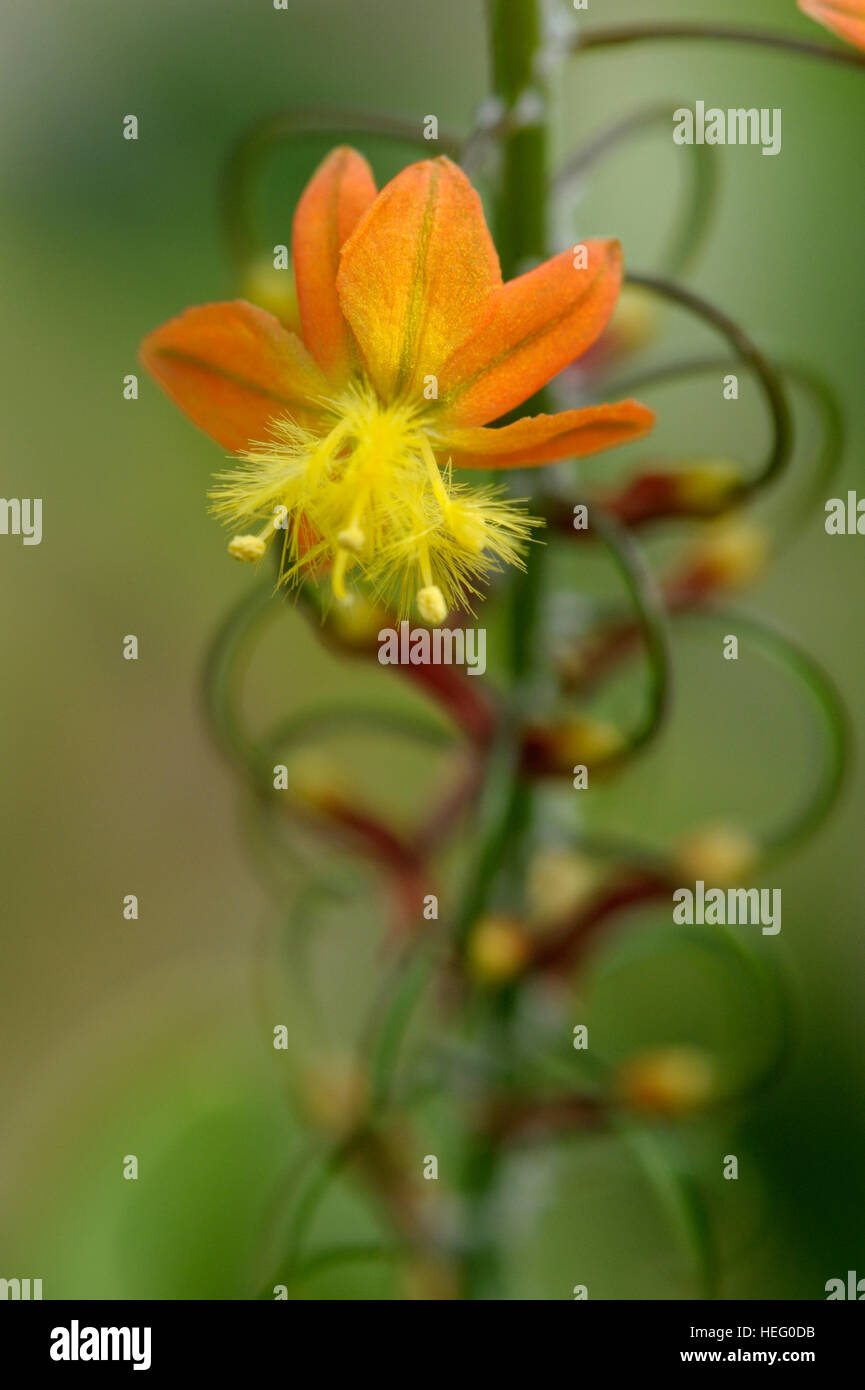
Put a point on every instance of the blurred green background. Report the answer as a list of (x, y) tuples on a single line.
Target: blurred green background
[(147, 1037)]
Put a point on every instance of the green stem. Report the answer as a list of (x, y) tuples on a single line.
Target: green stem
[(804, 821), (818, 801), (521, 236), (781, 447), (521, 230), (698, 205), (637, 33), (223, 674), (821, 468), (651, 617)]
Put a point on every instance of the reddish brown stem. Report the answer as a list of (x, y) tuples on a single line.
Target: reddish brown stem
[(470, 707), (563, 948), (533, 1121)]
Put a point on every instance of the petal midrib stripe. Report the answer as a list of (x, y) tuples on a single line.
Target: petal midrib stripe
[(415, 316), (200, 364), (549, 326)]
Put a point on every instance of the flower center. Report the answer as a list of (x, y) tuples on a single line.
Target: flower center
[(359, 490)]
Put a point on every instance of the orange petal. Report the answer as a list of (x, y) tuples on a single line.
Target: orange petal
[(543, 438), (540, 322), (844, 17), (333, 202), (231, 367), (417, 276)]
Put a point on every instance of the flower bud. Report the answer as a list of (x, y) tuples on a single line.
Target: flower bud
[(707, 488), (666, 1081), (634, 325), (635, 319), (560, 882), (498, 950), (730, 554), (589, 742), (717, 855), (316, 779), (272, 289)]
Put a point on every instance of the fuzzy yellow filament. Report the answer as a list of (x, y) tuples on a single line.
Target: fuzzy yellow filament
[(375, 504)]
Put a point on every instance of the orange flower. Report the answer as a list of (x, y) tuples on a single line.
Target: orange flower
[(411, 345), (844, 17)]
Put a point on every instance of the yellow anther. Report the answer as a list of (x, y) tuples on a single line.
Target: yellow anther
[(252, 548), (352, 538), (367, 495), (431, 604), (249, 548)]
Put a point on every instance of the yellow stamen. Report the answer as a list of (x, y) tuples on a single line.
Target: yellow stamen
[(249, 548), (434, 475), (352, 538), (465, 528), (367, 497), (337, 578), (431, 603), (252, 548)]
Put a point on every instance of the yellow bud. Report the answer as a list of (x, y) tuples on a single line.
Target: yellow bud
[(668, 1081), (635, 320), (248, 548), (733, 553), (431, 604), (272, 289), (498, 950), (559, 883), (708, 487), (719, 855), (588, 742), (316, 779)]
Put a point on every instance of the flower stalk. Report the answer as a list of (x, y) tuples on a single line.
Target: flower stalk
[(621, 35), (345, 464)]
